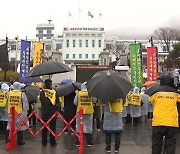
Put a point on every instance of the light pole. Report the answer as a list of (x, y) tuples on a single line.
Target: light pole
[(15, 64)]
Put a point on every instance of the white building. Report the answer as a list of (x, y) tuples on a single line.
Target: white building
[(82, 45)]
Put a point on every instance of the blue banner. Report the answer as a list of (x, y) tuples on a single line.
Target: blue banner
[(24, 59)]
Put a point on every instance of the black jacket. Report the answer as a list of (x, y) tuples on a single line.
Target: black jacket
[(48, 109), (69, 107)]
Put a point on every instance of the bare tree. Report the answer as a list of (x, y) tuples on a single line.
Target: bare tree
[(119, 50), (165, 35)]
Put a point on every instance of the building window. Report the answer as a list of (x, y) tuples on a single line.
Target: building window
[(48, 47), (49, 31), (74, 42), (80, 43), (67, 56), (86, 56), (48, 37), (67, 43), (40, 37), (80, 56), (164, 48), (99, 43), (58, 46), (108, 46), (93, 43), (86, 43), (40, 32), (74, 56), (93, 56)]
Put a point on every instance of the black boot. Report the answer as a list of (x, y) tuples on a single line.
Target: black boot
[(20, 138), (7, 136)]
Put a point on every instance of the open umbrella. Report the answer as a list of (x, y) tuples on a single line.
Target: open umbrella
[(148, 83), (65, 81), (66, 89), (32, 92), (108, 86), (48, 68), (32, 79), (152, 89)]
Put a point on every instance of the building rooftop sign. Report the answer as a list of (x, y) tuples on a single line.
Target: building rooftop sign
[(83, 29)]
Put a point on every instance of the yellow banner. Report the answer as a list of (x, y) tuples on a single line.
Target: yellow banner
[(38, 52)]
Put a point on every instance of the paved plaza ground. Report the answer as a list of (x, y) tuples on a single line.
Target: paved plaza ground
[(135, 140)]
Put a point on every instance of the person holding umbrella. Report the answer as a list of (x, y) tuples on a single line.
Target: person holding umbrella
[(113, 123), (49, 99), (82, 99)]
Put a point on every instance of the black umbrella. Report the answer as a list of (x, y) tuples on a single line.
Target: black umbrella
[(152, 89), (32, 92), (48, 68), (32, 79), (66, 89), (108, 86)]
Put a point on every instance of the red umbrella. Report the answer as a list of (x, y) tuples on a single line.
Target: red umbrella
[(148, 83)]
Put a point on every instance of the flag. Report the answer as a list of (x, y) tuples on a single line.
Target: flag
[(69, 14), (4, 59), (152, 64), (38, 52), (24, 59), (136, 66), (90, 14)]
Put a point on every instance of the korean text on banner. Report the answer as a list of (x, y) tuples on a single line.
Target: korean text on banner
[(24, 59), (136, 65), (152, 64), (38, 51)]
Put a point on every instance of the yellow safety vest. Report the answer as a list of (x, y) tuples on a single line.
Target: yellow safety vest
[(51, 94), (61, 99), (128, 99), (116, 106), (15, 99), (3, 99), (39, 103), (136, 99), (85, 101), (98, 103)]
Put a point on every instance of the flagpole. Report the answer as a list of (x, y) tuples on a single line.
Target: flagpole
[(5, 62)]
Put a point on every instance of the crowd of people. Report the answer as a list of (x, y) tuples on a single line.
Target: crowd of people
[(112, 116)]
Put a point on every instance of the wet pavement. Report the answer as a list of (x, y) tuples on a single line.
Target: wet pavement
[(135, 140)]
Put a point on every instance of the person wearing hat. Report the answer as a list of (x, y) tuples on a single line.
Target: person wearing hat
[(3, 105), (49, 99), (18, 99), (165, 116)]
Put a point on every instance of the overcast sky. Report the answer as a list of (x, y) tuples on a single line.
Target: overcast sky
[(20, 17)]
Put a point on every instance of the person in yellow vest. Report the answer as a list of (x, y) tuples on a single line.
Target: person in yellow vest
[(165, 116), (18, 99), (113, 123), (3, 105), (82, 99), (135, 107), (49, 99)]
